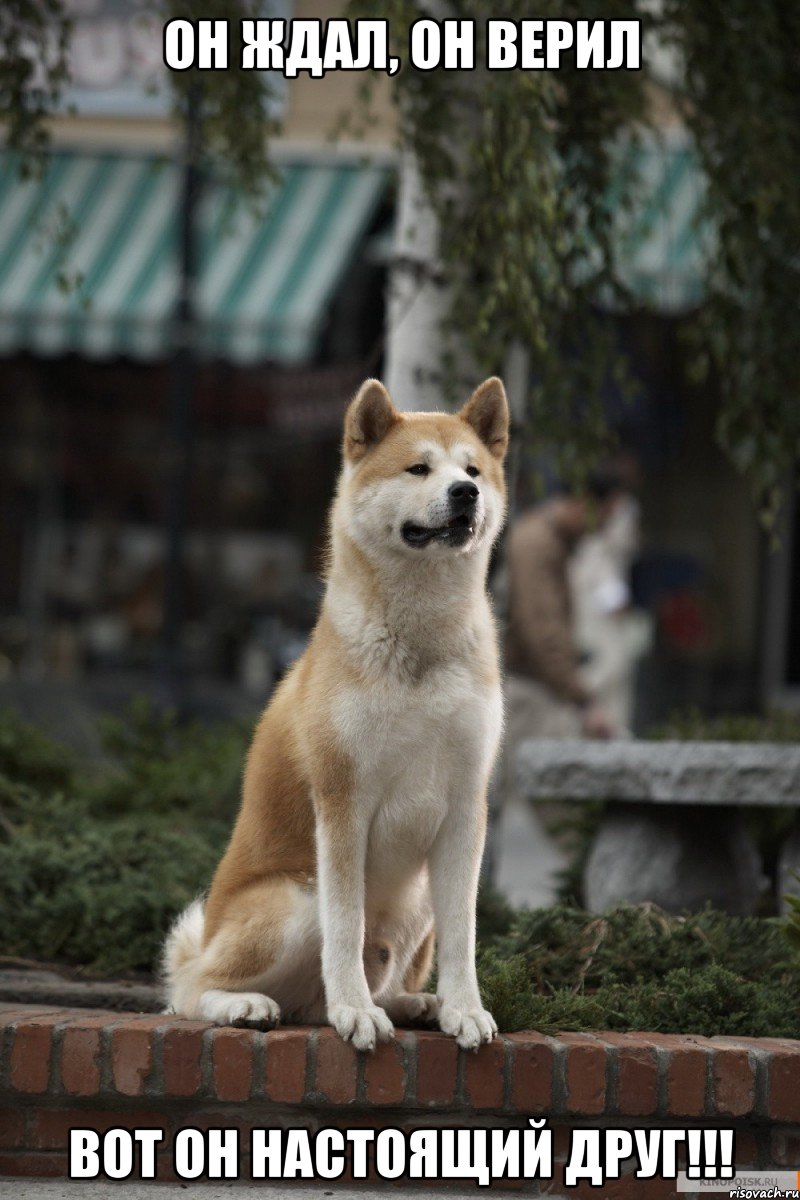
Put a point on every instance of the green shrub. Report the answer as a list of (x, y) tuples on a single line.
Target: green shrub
[(100, 895), (95, 863), (96, 860), (30, 756), (692, 725), (158, 764), (637, 968)]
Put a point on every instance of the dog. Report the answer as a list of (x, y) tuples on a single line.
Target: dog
[(363, 812)]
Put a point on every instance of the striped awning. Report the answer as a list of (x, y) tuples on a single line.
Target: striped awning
[(663, 245), (89, 257)]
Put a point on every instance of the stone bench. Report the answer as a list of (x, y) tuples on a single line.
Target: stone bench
[(672, 832)]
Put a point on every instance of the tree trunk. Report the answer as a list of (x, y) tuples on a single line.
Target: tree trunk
[(417, 300)]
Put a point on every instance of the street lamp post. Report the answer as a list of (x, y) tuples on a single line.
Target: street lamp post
[(180, 405)]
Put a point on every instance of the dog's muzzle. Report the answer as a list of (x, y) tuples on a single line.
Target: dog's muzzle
[(462, 499)]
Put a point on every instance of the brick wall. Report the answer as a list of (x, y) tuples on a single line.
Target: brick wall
[(61, 1068)]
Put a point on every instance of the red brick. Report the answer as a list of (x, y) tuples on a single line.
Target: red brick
[(286, 1065), (437, 1062), (337, 1066), (532, 1073), (784, 1085), (182, 1049), (659, 1189), (627, 1187), (687, 1072), (12, 1128), (746, 1149), (483, 1075), (734, 1083), (585, 1074), (637, 1074), (562, 1135), (132, 1056), (232, 1063), (784, 1148), (25, 1165), (385, 1073), (80, 1061), (31, 1054), (49, 1128), (12, 1013), (514, 1186)]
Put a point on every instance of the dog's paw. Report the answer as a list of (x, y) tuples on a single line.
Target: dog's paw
[(469, 1026), (413, 1006), (250, 1009), (361, 1026)]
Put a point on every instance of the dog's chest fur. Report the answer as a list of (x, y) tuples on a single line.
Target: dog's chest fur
[(417, 739)]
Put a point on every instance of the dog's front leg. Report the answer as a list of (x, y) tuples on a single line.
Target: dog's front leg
[(454, 866), (341, 857)]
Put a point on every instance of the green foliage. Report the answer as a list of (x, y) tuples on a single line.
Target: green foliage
[(100, 894), (494, 915), (792, 923), (161, 765), (637, 968), (566, 947), (34, 35), (233, 105), (30, 755), (96, 861), (742, 105), (518, 166), (692, 725)]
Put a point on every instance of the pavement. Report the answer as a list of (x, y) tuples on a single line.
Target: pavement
[(527, 859)]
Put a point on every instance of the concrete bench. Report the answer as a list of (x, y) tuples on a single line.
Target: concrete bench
[(672, 832)]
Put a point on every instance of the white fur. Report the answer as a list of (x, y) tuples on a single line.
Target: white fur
[(422, 728), (423, 747)]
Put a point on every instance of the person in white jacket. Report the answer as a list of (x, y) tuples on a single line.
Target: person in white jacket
[(610, 633)]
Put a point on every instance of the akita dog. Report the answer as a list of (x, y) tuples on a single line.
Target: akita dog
[(363, 814)]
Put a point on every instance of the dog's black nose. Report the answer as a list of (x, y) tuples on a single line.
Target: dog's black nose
[(462, 494)]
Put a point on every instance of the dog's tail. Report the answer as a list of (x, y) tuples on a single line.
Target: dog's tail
[(180, 958)]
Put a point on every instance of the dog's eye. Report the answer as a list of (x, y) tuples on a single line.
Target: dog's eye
[(419, 469), (472, 471)]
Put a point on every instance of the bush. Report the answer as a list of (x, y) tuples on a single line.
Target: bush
[(691, 725), (159, 765), (96, 860), (638, 968), (30, 756), (95, 863)]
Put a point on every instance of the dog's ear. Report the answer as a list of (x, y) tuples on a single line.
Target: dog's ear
[(487, 412), (369, 418)]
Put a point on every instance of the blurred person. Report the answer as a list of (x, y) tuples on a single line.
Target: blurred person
[(547, 695), (611, 634)]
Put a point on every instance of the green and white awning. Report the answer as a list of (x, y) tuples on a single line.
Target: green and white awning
[(88, 257), (662, 244)]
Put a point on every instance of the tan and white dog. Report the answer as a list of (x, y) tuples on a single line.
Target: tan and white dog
[(364, 802)]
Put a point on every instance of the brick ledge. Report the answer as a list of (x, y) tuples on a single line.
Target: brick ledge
[(84, 1053), (61, 1068)]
